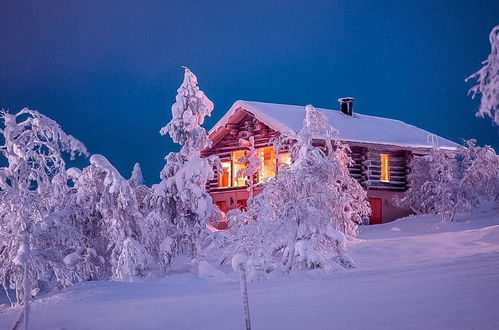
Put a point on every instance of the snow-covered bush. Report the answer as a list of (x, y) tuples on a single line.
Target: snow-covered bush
[(301, 217), (133, 260), (186, 173), (37, 231), (488, 81), (445, 182), (114, 216)]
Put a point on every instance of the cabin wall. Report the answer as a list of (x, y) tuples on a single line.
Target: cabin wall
[(389, 210), (223, 148), (365, 167)]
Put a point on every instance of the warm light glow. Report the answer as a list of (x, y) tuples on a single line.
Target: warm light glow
[(236, 167), (385, 167), (267, 156), (224, 177), (284, 158)]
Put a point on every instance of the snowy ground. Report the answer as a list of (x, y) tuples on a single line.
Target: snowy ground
[(414, 273)]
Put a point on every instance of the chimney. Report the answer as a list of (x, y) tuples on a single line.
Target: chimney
[(346, 105)]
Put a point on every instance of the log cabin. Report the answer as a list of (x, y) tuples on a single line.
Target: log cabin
[(381, 150)]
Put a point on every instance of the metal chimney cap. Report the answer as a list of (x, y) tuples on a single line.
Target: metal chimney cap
[(345, 99)]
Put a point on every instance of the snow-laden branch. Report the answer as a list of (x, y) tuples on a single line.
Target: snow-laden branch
[(487, 79)]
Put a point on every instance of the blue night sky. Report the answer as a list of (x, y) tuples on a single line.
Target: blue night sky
[(108, 71)]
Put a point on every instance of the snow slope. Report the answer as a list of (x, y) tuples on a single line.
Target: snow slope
[(414, 273)]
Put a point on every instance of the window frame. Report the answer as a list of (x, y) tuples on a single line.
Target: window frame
[(384, 175)]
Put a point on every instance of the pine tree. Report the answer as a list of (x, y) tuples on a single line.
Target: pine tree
[(113, 225), (185, 174), (137, 179), (300, 219)]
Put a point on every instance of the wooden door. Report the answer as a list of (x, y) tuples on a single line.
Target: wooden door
[(375, 211)]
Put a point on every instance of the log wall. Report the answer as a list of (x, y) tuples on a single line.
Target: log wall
[(365, 166)]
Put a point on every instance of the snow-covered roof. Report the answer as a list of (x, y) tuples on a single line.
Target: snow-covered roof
[(357, 128)]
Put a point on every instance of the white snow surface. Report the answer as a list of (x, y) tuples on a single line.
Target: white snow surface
[(414, 273), (357, 128)]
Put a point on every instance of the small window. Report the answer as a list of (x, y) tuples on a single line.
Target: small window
[(385, 168), (224, 177), (267, 170), (284, 158), (236, 167)]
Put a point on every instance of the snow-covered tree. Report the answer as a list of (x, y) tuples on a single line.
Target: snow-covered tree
[(487, 79), (36, 229), (301, 218), (445, 182), (252, 164), (188, 112), (186, 173), (158, 225), (477, 175), (432, 183), (113, 227), (137, 179)]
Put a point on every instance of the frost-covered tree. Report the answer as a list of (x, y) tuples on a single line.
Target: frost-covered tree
[(113, 226), (36, 229), (185, 174), (445, 183), (301, 218), (158, 225), (487, 79), (477, 175), (252, 164), (137, 179), (432, 183)]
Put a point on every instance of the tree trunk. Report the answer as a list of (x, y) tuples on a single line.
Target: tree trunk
[(244, 294), (27, 296)]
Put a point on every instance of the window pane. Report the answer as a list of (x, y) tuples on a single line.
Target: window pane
[(224, 177), (267, 155), (285, 158), (236, 167), (385, 167)]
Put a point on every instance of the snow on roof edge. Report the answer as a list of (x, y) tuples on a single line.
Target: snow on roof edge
[(283, 128)]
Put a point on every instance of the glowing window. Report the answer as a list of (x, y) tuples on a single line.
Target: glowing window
[(284, 158), (385, 167), (236, 167), (224, 177), (267, 156)]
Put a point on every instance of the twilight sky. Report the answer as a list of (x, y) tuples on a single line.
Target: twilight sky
[(108, 71)]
